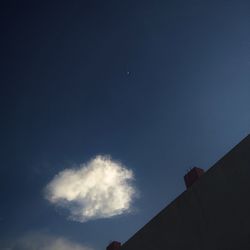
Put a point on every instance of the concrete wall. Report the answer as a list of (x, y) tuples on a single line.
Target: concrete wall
[(214, 213)]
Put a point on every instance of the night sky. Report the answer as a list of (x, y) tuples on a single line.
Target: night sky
[(153, 87)]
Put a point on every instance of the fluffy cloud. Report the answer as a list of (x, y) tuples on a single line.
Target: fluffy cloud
[(39, 241), (101, 188)]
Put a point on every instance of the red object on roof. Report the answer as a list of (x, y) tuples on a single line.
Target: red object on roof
[(115, 245), (192, 176)]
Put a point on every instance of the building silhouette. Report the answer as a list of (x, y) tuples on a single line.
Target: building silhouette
[(212, 214)]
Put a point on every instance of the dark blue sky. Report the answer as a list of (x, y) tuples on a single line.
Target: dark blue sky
[(66, 96)]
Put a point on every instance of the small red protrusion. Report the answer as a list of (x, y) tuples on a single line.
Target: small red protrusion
[(115, 245), (192, 176)]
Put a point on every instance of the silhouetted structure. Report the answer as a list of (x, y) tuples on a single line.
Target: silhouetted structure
[(115, 245), (212, 214), (192, 176)]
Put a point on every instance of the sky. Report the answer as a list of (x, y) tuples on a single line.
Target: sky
[(105, 105)]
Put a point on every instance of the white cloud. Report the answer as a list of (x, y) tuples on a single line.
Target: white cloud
[(101, 188), (40, 241)]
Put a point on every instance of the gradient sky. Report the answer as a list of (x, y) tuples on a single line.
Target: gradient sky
[(160, 86)]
